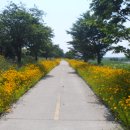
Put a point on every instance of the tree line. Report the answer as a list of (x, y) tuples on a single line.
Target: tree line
[(23, 31), (96, 30)]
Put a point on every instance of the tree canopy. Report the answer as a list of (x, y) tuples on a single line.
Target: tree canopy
[(112, 17), (94, 33), (87, 38), (23, 28)]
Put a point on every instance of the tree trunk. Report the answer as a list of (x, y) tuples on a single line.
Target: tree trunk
[(1, 50), (18, 54), (99, 58), (85, 58), (46, 57), (19, 57), (36, 57)]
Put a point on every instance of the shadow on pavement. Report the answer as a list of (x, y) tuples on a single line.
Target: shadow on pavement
[(72, 72), (47, 76), (109, 116)]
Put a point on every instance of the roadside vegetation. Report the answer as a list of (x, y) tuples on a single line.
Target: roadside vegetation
[(111, 85), (15, 82)]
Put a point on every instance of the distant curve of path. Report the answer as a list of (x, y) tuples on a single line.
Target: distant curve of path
[(60, 101)]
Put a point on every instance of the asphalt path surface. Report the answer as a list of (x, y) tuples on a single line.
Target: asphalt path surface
[(60, 101)]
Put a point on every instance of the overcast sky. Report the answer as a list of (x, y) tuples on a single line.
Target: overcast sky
[(60, 15)]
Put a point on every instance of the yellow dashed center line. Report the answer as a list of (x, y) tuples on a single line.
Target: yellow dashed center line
[(57, 110)]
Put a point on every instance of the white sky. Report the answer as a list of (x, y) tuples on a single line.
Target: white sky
[(60, 15)]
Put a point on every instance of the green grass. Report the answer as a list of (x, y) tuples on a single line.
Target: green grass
[(5, 64), (116, 64)]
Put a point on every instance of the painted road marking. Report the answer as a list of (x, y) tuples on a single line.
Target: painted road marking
[(57, 110)]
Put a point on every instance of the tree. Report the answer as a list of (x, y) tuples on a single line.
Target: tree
[(5, 48), (112, 16), (38, 42), (112, 11), (71, 54), (87, 39), (80, 43), (23, 28), (57, 51), (47, 51), (16, 24)]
